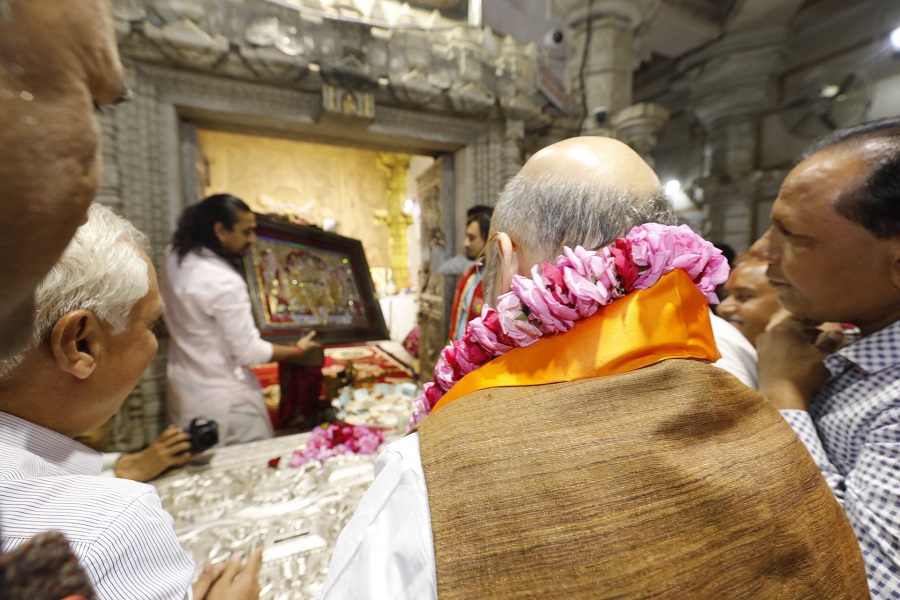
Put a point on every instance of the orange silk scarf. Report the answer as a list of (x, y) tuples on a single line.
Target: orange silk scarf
[(668, 320)]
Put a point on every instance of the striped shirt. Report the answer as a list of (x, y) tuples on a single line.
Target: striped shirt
[(852, 431), (122, 537)]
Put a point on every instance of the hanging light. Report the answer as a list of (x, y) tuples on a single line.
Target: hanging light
[(895, 39), (673, 186)]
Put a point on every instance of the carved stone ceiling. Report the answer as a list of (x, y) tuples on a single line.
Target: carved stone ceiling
[(678, 28), (683, 26)]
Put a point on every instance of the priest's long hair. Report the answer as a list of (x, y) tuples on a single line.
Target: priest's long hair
[(196, 226)]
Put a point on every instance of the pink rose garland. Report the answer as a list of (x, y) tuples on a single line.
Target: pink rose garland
[(556, 297)]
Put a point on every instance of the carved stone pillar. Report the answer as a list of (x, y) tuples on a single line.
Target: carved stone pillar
[(605, 47), (487, 167), (512, 149), (436, 195), (132, 134), (395, 167), (732, 83), (638, 125)]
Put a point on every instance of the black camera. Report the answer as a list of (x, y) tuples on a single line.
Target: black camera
[(204, 434)]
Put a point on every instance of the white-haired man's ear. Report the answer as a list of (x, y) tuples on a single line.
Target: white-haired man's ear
[(76, 341), (508, 264)]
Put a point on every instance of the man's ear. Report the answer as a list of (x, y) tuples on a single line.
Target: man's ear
[(76, 341), (219, 229), (895, 264), (508, 264)]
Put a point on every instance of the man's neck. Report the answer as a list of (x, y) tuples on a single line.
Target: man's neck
[(32, 393), (867, 328)]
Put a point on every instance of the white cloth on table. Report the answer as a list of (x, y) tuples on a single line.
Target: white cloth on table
[(213, 342), (123, 538)]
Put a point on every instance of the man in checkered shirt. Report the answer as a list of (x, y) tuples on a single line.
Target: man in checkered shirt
[(834, 255)]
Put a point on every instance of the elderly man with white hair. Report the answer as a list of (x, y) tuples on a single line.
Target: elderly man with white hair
[(580, 444), (92, 339)]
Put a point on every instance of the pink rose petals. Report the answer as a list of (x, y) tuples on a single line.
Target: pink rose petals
[(332, 439)]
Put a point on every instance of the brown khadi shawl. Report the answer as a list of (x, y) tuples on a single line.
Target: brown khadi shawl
[(672, 481)]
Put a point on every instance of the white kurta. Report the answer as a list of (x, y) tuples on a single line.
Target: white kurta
[(213, 341)]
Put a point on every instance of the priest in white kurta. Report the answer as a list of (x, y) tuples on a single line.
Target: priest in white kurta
[(214, 339)]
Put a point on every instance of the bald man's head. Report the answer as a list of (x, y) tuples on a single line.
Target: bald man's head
[(583, 191), (599, 160)]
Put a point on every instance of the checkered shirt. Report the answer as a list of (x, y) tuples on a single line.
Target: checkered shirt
[(852, 431)]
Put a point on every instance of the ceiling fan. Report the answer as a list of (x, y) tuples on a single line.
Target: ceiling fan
[(823, 102)]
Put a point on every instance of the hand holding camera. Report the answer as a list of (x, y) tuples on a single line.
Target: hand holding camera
[(204, 434)]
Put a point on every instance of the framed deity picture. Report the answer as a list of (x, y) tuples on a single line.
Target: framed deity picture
[(303, 279)]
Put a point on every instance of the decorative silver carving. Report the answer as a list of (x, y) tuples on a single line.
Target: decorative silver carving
[(237, 504)]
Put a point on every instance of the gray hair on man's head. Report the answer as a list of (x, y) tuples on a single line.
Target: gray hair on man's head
[(101, 271), (546, 213)]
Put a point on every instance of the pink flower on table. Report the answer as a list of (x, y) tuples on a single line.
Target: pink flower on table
[(515, 322), (369, 444), (334, 439)]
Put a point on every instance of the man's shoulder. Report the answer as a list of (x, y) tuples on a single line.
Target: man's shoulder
[(405, 450), (83, 507), (116, 528)]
